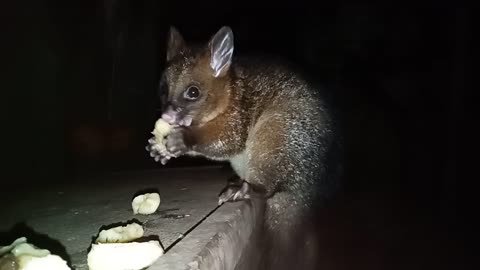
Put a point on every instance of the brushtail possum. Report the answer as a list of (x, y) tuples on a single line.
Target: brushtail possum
[(275, 128)]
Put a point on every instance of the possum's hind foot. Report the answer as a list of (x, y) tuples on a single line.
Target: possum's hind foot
[(233, 193)]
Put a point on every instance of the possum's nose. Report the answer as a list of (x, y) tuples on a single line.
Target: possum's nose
[(170, 115), (175, 116), (169, 118)]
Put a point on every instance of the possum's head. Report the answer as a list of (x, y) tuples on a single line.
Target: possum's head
[(197, 80)]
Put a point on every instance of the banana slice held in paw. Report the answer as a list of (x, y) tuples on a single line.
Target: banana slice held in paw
[(161, 130), (146, 204)]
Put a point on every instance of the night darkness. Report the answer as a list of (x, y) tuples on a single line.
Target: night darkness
[(82, 97)]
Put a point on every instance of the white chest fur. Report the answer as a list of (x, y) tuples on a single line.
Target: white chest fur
[(239, 164)]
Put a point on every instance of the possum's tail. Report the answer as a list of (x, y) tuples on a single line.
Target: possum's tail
[(288, 238), (290, 231)]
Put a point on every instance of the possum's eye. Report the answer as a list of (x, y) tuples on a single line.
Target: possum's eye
[(192, 93)]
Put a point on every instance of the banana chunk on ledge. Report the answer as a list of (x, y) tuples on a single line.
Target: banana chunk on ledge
[(124, 256), (115, 249), (121, 234), (21, 255), (146, 204)]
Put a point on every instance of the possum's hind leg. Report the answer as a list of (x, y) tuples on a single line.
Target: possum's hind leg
[(284, 167)]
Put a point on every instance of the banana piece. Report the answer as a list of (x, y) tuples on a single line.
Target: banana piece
[(120, 234), (123, 256), (21, 255), (146, 204), (161, 130)]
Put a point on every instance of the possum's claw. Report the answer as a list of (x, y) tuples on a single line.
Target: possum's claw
[(233, 193), (164, 160)]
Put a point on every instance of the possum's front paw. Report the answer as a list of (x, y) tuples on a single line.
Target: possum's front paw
[(156, 144), (233, 193), (156, 152), (176, 143)]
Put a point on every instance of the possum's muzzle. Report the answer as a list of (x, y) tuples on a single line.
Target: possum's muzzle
[(176, 116)]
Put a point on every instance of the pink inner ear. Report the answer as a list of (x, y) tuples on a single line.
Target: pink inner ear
[(221, 49)]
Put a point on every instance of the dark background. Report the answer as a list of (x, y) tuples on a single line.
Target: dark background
[(81, 84)]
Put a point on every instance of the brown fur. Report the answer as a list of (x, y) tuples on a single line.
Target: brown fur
[(273, 127), (265, 149)]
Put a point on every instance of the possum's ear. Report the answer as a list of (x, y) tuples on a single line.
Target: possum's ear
[(175, 44), (221, 51)]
